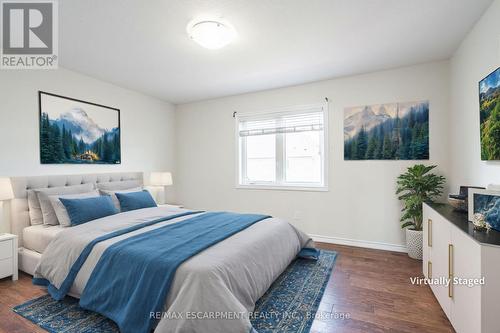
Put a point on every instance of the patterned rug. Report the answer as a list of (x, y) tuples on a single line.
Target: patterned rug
[(290, 304)]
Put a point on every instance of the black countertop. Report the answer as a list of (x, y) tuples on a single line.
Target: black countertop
[(461, 220)]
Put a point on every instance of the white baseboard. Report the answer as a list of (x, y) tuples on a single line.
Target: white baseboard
[(359, 243)]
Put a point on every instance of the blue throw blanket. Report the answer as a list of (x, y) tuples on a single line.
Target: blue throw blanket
[(60, 293), (133, 276)]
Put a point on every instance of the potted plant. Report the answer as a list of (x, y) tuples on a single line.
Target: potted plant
[(414, 187)]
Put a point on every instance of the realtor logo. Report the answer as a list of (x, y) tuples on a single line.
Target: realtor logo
[(29, 34)]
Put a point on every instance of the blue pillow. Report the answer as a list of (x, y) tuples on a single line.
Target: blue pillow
[(88, 209), (135, 200)]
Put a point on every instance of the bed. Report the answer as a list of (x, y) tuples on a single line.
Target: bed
[(224, 280), (39, 237)]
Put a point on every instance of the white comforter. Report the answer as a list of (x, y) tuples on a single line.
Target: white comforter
[(224, 280)]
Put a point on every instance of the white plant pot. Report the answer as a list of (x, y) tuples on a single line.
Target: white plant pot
[(414, 241)]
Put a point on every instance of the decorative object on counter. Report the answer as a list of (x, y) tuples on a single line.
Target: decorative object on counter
[(460, 201), (486, 203), (414, 187), (479, 221), (489, 116)]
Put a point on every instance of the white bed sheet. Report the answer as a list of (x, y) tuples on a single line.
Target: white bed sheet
[(38, 237)]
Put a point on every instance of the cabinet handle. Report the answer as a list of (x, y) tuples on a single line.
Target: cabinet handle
[(429, 269), (450, 270), (429, 233)]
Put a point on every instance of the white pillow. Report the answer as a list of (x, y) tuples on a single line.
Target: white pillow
[(36, 216), (116, 202), (60, 210), (42, 206), (119, 186)]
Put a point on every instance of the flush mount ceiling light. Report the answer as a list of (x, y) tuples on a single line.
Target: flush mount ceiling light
[(211, 34)]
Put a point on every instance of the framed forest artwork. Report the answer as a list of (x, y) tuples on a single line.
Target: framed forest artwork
[(78, 132), (393, 131), (489, 116)]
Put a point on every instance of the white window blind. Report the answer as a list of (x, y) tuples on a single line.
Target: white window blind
[(285, 148), (291, 123)]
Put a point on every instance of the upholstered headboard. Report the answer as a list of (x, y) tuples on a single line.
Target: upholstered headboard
[(20, 218)]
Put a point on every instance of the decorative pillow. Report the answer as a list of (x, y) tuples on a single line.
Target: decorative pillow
[(35, 212), (89, 209), (60, 210), (112, 194), (117, 186), (135, 200), (40, 206)]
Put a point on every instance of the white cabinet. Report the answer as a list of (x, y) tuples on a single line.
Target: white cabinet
[(8, 256), (439, 257), (454, 252), (466, 300), (427, 243)]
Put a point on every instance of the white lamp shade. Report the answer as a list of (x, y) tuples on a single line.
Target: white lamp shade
[(6, 189), (161, 179)]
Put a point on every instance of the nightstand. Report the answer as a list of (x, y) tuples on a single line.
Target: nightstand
[(8, 256)]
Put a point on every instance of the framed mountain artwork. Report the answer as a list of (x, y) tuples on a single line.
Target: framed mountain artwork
[(78, 132), (489, 116), (394, 131)]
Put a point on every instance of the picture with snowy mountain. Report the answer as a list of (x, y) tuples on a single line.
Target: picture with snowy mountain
[(395, 131), (78, 132)]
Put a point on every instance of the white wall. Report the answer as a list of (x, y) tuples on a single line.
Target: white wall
[(478, 55), (147, 124), (361, 203)]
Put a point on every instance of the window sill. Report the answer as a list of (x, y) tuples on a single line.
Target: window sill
[(282, 188)]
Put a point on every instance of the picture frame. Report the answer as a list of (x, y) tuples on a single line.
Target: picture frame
[(486, 202), (388, 131), (74, 131), (489, 109)]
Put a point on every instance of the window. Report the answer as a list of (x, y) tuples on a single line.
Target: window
[(284, 149)]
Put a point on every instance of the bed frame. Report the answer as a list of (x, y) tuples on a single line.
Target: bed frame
[(19, 211)]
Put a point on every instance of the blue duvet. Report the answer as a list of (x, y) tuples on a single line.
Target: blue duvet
[(133, 276)]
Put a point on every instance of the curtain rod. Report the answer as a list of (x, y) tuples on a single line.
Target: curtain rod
[(235, 112)]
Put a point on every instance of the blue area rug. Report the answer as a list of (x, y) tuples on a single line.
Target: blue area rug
[(290, 304)]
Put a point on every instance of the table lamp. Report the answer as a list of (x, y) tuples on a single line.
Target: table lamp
[(5, 194), (161, 179)]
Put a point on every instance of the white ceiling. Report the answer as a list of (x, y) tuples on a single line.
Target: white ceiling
[(143, 45)]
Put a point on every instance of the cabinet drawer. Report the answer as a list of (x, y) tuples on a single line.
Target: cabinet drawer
[(5, 268), (6, 249)]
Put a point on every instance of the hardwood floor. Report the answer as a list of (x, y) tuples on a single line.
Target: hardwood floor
[(373, 287), (15, 293), (370, 288)]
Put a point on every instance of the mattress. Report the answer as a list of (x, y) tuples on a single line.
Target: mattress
[(38, 237)]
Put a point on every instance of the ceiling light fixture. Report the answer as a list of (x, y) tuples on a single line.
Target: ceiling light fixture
[(211, 34)]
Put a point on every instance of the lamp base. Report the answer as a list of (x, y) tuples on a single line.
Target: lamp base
[(160, 195)]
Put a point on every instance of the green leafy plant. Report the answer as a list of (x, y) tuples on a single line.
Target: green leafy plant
[(414, 187)]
